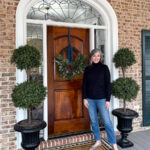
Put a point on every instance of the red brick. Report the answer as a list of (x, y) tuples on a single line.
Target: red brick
[(132, 15)]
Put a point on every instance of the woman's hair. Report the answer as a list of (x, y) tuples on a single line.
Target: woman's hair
[(95, 51)]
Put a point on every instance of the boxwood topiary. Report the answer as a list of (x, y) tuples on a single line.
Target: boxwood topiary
[(29, 93), (124, 88), (124, 58), (26, 57)]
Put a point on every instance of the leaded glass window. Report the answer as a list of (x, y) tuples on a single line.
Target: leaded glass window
[(35, 38), (100, 40), (71, 11)]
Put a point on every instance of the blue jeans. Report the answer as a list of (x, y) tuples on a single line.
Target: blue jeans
[(100, 104)]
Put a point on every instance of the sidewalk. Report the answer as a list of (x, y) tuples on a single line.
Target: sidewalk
[(141, 140)]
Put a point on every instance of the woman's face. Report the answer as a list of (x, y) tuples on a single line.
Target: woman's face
[(96, 57)]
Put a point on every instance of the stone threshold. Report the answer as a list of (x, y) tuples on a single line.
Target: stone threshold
[(85, 137)]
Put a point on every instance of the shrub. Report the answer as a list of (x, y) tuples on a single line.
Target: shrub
[(124, 88), (29, 93), (26, 57)]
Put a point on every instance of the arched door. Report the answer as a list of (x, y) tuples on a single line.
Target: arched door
[(35, 12)]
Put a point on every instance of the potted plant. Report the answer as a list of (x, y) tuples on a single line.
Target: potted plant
[(28, 94), (124, 88)]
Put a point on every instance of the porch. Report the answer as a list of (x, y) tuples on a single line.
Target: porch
[(139, 138)]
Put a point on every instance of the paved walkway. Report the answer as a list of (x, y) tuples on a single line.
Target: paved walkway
[(141, 140)]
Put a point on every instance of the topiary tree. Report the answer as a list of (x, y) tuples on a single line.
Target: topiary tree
[(29, 93), (124, 88), (26, 57)]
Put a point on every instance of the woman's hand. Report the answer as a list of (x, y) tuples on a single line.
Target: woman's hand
[(86, 103), (107, 105)]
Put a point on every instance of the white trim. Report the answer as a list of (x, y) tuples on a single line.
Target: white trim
[(111, 25), (65, 24), (45, 110), (20, 75), (91, 38)]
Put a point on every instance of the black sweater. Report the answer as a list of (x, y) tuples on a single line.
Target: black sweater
[(96, 82)]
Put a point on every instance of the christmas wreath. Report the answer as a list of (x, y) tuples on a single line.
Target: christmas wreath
[(70, 70)]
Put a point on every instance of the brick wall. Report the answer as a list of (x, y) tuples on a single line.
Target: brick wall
[(7, 74), (133, 16)]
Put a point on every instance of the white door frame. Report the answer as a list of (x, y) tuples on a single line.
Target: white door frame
[(111, 26)]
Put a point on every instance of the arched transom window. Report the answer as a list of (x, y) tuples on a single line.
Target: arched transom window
[(71, 11)]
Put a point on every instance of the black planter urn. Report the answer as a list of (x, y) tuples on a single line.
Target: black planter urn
[(124, 125), (30, 133)]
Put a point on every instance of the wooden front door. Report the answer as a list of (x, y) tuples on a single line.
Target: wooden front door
[(66, 113)]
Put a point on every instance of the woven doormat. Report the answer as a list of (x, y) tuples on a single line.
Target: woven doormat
[(82, 146)]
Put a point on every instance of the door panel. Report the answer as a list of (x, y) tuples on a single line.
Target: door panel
[(66, 113), (64, 108)]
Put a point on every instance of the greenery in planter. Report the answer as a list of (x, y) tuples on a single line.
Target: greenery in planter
[(68, 70), (124, 88), (29, 93)]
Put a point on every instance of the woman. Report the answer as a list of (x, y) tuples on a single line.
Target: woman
[(96, 92)]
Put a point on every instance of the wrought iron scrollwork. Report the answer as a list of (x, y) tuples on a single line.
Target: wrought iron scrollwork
[(74, 11)]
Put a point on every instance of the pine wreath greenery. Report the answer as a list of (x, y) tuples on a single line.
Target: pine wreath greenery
[(68, 70)]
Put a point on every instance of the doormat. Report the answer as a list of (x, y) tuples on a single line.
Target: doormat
[(82, 146)]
